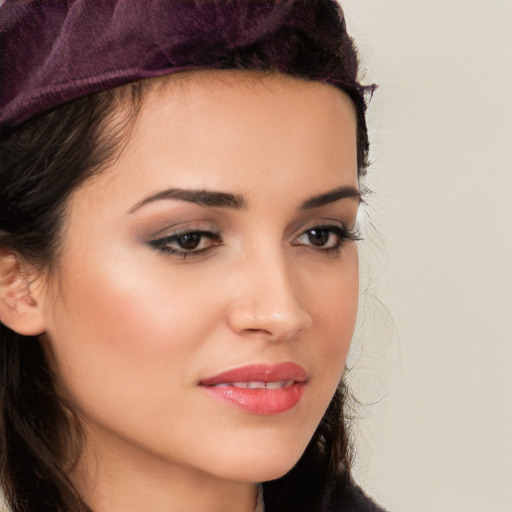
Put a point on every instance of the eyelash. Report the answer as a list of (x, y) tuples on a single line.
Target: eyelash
[(343, 234), (163, 244)]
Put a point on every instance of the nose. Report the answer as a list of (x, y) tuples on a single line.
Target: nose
[(267, 301)]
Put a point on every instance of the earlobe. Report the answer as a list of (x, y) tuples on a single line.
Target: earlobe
[(19, 310)]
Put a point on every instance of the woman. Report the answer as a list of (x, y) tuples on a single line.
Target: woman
[(179, 189)]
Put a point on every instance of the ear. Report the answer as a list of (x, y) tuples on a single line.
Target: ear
[(18, 309)]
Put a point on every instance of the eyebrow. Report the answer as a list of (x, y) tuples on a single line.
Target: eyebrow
[(345, 192), (225, 200), (200, 197)]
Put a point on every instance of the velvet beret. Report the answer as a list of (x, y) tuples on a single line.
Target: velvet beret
[(54, 51)]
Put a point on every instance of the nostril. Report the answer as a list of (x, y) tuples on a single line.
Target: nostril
[(256, 331)]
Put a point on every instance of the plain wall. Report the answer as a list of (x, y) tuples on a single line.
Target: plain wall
[(438, 437)]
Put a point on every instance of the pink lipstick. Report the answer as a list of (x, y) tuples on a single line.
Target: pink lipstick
[(261, 388)]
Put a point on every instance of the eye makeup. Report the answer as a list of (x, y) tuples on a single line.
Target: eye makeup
[(327, 238), (187, 242), (324, 238), (184, 230)]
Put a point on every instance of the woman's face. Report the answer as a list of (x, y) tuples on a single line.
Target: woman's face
[(219, 241)]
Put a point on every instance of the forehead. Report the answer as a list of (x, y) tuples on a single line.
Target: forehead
[(221, 113), (204, 87), (231, 130)]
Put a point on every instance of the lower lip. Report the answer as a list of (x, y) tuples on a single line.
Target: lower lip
[(259, 401)]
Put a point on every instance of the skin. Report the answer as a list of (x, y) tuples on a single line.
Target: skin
[(132, 329)]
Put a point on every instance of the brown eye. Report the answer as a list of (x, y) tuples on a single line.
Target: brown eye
[(326, 239), (318, 236), (189, 241), (321, 237)]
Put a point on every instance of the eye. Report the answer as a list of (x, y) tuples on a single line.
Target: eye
[(320, 237), (326, 238), (188, 242)]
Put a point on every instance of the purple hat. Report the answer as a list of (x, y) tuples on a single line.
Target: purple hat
[(54, 51)]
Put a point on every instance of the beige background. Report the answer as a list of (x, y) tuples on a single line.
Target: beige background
[(437, 367)]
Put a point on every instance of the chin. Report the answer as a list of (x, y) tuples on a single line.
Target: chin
[(262, 465)]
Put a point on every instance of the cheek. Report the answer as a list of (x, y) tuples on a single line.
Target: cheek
[(335, 303), (119, 327)]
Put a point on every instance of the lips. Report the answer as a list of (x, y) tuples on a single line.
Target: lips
[(257, 384), (260, 389)]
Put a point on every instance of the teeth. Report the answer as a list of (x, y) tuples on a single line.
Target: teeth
[(252, 384), (258, 384), (280, 384)]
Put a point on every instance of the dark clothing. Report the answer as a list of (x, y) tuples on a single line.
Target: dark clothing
[(349, 498), (342, 496)]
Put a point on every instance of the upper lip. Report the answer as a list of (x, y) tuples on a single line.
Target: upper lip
[(259, 372)]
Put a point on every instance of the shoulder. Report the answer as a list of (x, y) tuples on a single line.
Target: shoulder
[(348, 497)]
